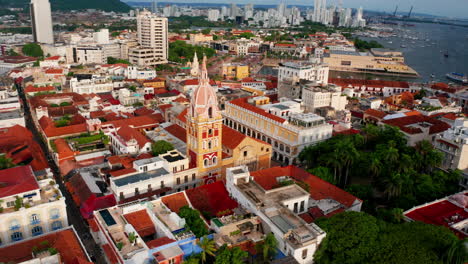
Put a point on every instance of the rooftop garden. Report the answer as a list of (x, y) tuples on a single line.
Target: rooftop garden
[(87, 141), (429, 108)]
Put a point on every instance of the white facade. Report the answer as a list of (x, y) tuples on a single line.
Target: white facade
[(133, 72), (304, 71), (46, 212), (102, 36), (453, 143), (41, 19), (278, 210), (94, 85), (213, 15), (152, 174), (89, 55), (315, 97), (152, 38)]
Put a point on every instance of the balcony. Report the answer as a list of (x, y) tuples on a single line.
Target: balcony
[(15, 227), (55, 217), (35, 222)]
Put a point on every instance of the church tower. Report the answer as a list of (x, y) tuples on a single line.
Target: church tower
[(204, 124), (195, 68)]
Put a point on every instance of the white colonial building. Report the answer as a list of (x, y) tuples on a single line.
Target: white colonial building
[(29, 207), (278, 209), (96, 84), (315, 96), (317, 72)]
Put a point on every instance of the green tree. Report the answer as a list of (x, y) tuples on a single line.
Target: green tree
[(161, 147), (112, 60), (11, 52), (193, 221), (206, 31), (351, 238), (115, 34), (226, 255), (33, 50), (456, 253), (208, 247), (5, 162), (268, 248), (323, 173), (393, 185)]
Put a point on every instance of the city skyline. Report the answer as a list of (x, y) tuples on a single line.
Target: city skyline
[(436, 8)]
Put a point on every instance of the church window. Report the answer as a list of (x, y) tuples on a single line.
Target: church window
[(210, 112)]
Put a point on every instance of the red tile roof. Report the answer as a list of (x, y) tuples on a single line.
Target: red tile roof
[(138, 122), (161, 241), (319, 189), (242, 102), (368, 83), (63, 149), (53, 58), (177, 131), (232, 138), (64, 241), (285, 45), (375, 113), (122, 172), (54, 71), (23, 181), (33, 89), (439, 213), (195, 82), (127, 133), (111, 255), (175, 201), (212, 198), (143, 111), (404, 123), (142, 223), (51, 131)]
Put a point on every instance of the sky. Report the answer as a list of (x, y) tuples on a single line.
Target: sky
[(447, 8)]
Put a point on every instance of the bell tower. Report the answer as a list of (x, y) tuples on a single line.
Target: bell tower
[(204, 124)]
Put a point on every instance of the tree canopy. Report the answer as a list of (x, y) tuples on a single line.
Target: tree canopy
[(33, 50), (354, 237), (181, 52), (161, 147), (112, 60), (365, 45), (193, 221), (226, 255), (400, 176)]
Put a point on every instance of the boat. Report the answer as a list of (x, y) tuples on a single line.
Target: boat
[(403, 46), (432, 75), (457, 77)]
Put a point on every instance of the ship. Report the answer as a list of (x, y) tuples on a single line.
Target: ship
[(457, 77)]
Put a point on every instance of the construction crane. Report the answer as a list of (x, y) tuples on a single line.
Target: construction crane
[(396, 9), (411, 10)]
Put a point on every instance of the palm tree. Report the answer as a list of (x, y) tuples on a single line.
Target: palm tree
[(375, 166), (268, 248), (207, 246), (348, 154), (393, 185), (397, 214), (456, 253)]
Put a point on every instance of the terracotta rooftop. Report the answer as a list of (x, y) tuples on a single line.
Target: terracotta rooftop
[(242, 102), (33, 89), (404, 123), (232, 138), (161, 241), (212, 198), (319, 189), (175, 201), (64, 241), (23, 181), (142, 223), (375, 113), (368, 83), (127, 133)]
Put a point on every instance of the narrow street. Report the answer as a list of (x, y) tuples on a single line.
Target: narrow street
[(73, 212)]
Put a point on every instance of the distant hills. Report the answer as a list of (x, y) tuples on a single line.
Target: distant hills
[(105, 5)]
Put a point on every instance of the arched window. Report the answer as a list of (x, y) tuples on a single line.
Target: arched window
[(205, 162), (209, 144), (210, 112), (37, 230), (16, 236), (56, 225), (215, 160)]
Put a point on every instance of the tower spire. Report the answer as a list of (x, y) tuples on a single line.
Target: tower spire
[(204, 101), (204, 73)]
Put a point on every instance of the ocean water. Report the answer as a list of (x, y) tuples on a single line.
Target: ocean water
[(426, 53)]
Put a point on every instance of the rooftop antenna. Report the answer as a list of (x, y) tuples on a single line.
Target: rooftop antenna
[(396, 9)]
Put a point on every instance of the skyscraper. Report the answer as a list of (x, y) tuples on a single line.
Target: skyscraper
[(154, 7), (41, 19)]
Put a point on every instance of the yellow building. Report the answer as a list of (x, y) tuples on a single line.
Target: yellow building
[(195, 38), (234, 71), (378, 62), (213, 147)]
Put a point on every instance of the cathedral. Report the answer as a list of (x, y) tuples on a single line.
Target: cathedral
[(211, 146)]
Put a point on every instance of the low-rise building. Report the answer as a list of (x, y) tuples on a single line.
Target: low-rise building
[(96, 84), (29, 207), (453, 143), (317, 72), (315, 96), (278, 209), (7, 63), (449, 212), (235, 71), (135, 73), (89, 55), (288, 135)]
